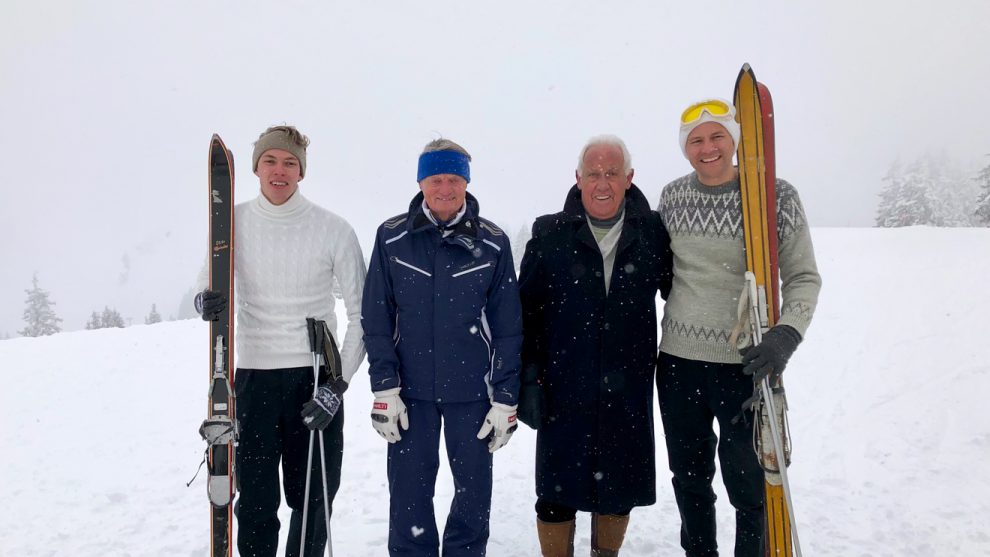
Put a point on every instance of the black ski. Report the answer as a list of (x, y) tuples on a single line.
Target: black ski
[(220, 428)]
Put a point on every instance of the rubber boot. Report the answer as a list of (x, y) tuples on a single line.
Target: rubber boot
[(607, 532), (556, 538)]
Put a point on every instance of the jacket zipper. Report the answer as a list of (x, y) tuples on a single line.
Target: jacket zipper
[(472, 269), (413, 267)]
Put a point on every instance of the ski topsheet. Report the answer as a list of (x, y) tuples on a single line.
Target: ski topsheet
[(757, 181), (220, 427)]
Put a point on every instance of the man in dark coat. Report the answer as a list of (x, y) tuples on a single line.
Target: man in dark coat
[(588, 283)]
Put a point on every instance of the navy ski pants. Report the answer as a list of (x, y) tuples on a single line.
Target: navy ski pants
[(413, 463), (692, 395), (268, 407)]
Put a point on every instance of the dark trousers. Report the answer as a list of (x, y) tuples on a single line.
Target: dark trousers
[(269, 403), (692, 395), (413, 463)]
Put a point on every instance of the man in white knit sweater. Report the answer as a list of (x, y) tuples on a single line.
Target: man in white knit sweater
[(701, 376), (287, 253)]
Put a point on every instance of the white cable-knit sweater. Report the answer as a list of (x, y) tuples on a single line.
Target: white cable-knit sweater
[(285, 259)]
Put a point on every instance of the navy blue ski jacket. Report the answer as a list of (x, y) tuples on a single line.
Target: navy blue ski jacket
[(441, 315)]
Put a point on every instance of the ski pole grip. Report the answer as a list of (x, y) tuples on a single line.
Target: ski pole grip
[(311, 330), (319, 328)]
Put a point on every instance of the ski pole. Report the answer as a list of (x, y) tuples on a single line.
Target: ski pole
[(315, 340), (775, 433)]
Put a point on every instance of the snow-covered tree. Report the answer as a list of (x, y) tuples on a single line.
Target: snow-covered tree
[(982, 212), (930, 191), (38, 313), (890, 211), (107, 319), (153, 317), (111, 318), (94, 321)]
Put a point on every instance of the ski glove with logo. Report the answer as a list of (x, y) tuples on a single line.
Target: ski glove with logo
[(530, 408), (770, 356), (210, 304), (501, 420), (321, 409), (388, 413)]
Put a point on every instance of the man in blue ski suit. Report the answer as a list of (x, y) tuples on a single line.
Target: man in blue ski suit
[(443, 328)]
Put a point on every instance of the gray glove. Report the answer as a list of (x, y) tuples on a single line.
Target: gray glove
[(320, 411), (770, 356), (210, 304)]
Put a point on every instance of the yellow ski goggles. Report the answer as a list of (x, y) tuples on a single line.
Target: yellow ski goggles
[(714, 107)]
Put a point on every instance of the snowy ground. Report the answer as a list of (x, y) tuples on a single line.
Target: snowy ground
[(890, 423)]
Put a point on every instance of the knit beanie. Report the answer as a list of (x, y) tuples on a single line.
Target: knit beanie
[(279, 138), (728, 122)]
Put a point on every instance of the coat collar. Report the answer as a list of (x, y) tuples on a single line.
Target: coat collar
[(465, 232), (636, 204), (636, 208)]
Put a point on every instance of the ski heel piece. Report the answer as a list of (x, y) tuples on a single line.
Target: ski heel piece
[(762, 433), (218, 489)]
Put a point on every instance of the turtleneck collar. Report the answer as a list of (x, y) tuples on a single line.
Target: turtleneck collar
[(293, 206)]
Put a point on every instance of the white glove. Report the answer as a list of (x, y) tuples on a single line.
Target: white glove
[(388, 413), (502, 420)]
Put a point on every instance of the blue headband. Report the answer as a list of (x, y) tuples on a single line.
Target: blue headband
[(443, 162)]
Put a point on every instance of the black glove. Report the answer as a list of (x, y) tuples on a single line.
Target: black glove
[(320, 410), (770, 356), (530, 407), (210, 304)]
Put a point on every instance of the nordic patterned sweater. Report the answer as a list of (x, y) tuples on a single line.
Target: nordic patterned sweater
[(285, 259), (706, 236)]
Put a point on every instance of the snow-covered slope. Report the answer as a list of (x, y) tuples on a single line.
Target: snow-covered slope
[(888, 398)]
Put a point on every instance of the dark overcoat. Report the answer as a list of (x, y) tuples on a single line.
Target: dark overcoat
[(594, 355)]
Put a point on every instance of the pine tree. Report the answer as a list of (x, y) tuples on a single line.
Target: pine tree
[(94, 322), (929, 192), (982, 212), (153, 317), (111, 318), (39, 315), (888, 211)]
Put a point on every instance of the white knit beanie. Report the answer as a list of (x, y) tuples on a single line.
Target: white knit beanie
[(728, 122)]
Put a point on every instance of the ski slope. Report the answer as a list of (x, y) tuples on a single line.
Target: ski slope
[(890, 424)]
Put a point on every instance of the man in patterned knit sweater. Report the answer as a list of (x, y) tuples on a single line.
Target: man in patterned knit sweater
[(701, 376), (287, 253)]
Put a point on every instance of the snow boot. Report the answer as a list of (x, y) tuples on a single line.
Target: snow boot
[(556, 538), (607, 532)]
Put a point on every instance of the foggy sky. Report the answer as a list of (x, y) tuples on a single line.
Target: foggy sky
[(108, 107)]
